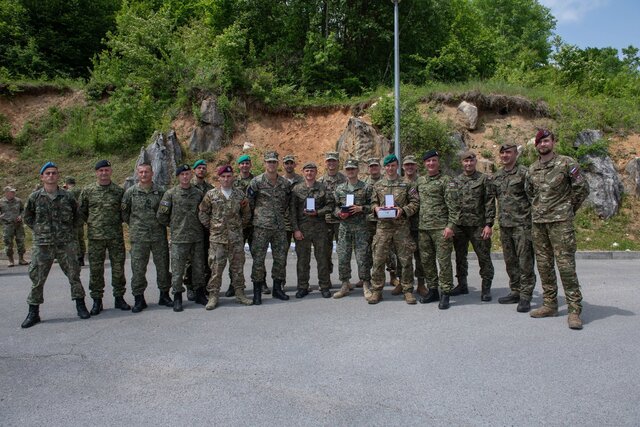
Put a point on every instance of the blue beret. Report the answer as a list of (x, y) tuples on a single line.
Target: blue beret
[(244, 158), (47, 166), (429, 154), (181, 169), (390, 159), (103, 164), (198, 163)]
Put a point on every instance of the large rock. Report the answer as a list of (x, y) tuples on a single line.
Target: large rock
[(164, 154), (605, 185), (632, 177), (587, 137), (470, 114), (362, 141), (209, 135)]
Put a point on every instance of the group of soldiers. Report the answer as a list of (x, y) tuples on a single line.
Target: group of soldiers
[(387, 220)]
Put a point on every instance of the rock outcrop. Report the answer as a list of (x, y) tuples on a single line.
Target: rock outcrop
[(164, 154), (209, 134), (362, 141)]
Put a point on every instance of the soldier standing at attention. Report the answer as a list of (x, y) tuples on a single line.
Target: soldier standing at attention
[(100, 209), (179, 210), (269, 197), (310, 228), (11, 209), (52, 214), (70, 186), (331, 178), (393, 234), (477, 213), (556, 189), (514, 217), (224, 211), (289, 163), (354, 228), (439, 214), (139, 208)]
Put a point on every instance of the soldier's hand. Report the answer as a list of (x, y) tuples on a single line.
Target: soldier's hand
[(399, 212), (448, 233), (298, 235), (344, 215), (310, 213), (244, 202), (486, 232), (355, 209)]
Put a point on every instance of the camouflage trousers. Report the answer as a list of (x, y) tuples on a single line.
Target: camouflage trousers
[(82, 246), (399, 241), (352, 239), (11, 232), (140, 252), (557, 240), (181, 255), (482, 248), (262, 237), (219, 254), (333, 228), (97, 253), (517, 249), (392, 261), (417, 270), (41, 260), (433, 246), (314, 235), (188, 275)]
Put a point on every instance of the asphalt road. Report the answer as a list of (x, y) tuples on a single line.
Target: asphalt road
[(324, 362)]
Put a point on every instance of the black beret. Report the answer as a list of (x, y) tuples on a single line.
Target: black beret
[(429, 154), (182, 168), (103, 164)]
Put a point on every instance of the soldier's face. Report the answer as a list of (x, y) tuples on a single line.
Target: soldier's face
[(509, 156), (469, 165), (410, 169), (351, 173), (9, 195), (144, 174), (310, 174), (226, 180), (271, 166), (374, 170), (185, 178), (545, 145), (104, 175), (391, 169), (289, 166), (201, 171), (332, 165), (245, 167), (432, 164), (50, 176)]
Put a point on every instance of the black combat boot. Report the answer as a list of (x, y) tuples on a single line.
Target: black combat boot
[(278, 292), (121, 304), (511, 298), (444, 301), (485, 294), (432, 296), (325, 292), (523, 306), (302, 293), (139, 305), (257, 293), (462, 288), (33, 317), (201, 296), (177, 302), (97, 306), (230, 292), (165, 299), (83, 313)]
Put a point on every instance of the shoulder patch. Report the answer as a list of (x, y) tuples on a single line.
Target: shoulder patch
[(165, 203), (250, 191), (575, 174)]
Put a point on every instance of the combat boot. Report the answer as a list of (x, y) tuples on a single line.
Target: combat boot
[(574, 321), (213, 300), (432, 296), (191, 295), (343, 292), (325, 292), (139, 305), (177, 302), (421, 289), (444, 301), (302, 292), (366, 289), (359, 284), (81, 308), (230, 292), (165, 299), (241, 298), (11, 261), (278, 292), (523, 306), (512, 298), (33, 317), (97, 306), (409, 298), (22, 261), (257, 293), (201, 296), (397, 287), (81, 261), (121, 304), (375, 297), (485, 293), (265, 289), (462, 288), (544, 311)]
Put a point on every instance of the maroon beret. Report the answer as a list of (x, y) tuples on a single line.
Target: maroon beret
[(224, 169)]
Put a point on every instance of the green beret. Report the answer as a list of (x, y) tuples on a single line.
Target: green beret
[(198, 163), (389, 159), (244, 158)]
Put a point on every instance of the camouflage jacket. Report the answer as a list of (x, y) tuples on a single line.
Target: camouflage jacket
[(414, 221), (224, 218), (514, 207), (477, 200), (292, 181), (269, 202), (331, 183), (204, 186), (556, 189), (179, 210), (53, 221), (439, 202), (10, 210), (324, 204), (100, 209), (405, 197), (370, 182), (242, 183), (139, 209), (362, 194)]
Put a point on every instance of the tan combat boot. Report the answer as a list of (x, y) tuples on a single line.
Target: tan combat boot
[(366, 289), (375, 297), (421, 289), (574, 321), (11, 261), (241, 298), (213, 300), (22, 261), (397, 287), (409, 298), (544, 311), (359, 284), (343, 292)]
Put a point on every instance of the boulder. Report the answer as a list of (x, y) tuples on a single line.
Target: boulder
[(587, 137), (209, 113), (209, 135), (632, 177), (362, 141), (164, 154), (604, 183), (469, 113)]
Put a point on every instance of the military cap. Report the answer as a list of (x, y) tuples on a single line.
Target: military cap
[(429, 154), (271, 156), (508, 145), (374, 161), (70, 180), (224, 169), (182, 168), (351, 164), (309, 165), (331, 155), (199, 163), (409, 160), (102, 164), (467, 155), (244, 158), (9, 188), (288, 158), (390, 159), (47, 166), (543, 133)]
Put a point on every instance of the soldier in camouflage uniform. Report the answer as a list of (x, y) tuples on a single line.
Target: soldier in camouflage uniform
[(100, 209), (224, 211), (331, 178), (354, 228), (393, 234), (477, 213), (289, 164), (269, 197), (70, 186), (139, 208), (310, 229), (514, 217), (11, 216), (439, 214), (179, 210), (52, 214), (556, 189)]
